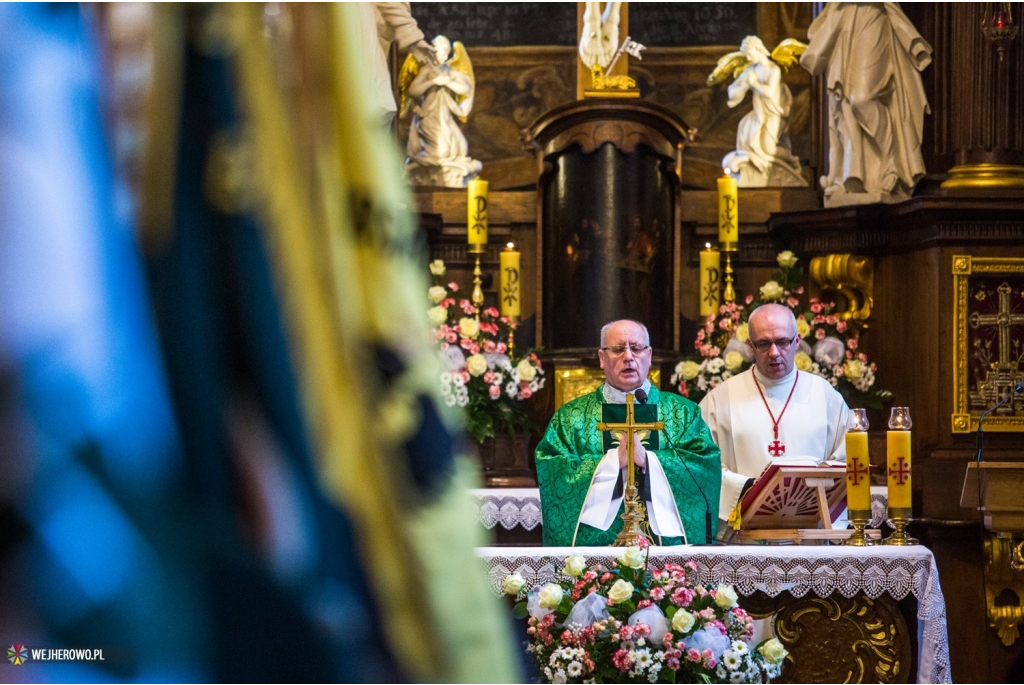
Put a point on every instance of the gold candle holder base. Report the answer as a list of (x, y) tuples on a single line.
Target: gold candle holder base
[(729, 293), (633, 517), (478, 291), (900, 518), (860, 520)]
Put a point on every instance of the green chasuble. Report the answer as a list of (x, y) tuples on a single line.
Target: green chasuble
[(572, 448)]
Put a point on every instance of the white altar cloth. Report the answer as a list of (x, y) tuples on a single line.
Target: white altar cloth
[(822, 570), (520, 507)]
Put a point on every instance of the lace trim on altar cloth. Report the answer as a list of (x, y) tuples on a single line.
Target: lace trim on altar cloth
[(510, 507), (893, 571)]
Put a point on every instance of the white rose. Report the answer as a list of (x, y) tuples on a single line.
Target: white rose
[(787, 259), (526, 370), (437, 267), (575, 565), (689, 370), (633, 557), (437, 293), (620, 591), (733, 360), (682, 621), (771, 291), (550, 596), (855, 369), (803, 361), (726, 596), (773, 651), (476, 365), (513, 583), (437, 315), (743, 332), (469, 328)]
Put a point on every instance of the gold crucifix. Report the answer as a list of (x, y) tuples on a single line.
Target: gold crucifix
[(1004, 372), (634, 515)]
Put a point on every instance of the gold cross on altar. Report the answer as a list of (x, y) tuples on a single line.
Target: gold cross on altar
[(634, 514), (1004, 318)]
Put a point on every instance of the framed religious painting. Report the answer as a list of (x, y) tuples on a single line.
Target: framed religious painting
[(988, 343)]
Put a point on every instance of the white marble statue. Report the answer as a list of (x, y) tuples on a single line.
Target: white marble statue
[(762, 156), (440, 95), (599, 39), (871, 56)]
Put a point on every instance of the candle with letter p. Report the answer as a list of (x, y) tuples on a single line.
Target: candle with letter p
[(476, 213), (510, 294), (728, 213), (710, 281)]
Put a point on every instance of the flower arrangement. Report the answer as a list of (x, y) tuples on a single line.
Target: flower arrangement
[(477, 371), (828, 347), (632, 624)]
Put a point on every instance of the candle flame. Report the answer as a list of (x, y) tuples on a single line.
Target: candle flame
[(707, 246), (511, 246)]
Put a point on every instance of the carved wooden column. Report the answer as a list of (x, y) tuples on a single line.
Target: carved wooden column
[(608, 214), (977, 100)]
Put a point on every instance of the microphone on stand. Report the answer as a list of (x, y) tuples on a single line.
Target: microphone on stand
[(641, 397), (1018, 388)]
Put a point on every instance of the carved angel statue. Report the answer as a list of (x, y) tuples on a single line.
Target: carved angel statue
[(599, 39), (440, 95), (762, 156)]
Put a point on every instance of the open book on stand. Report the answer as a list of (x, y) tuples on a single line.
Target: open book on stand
[(797, 497)]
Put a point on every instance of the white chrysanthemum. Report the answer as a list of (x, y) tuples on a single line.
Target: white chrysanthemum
[(731, 659), (575, 669), (446, 378), (510, 389), (740, 647), (726, 375), (449, 400), (457, 380), (737, 677), (559, 676), (462, 401), (643, 659)]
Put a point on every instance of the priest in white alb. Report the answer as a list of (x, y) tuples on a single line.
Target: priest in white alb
[(772, 410)]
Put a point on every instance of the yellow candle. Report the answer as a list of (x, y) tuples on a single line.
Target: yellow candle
[(476, 212), (510, 285), (858, 474), (728, 212), (898, 462), (710, 281)]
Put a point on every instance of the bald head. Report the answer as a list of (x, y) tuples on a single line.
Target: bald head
[(773, 339)]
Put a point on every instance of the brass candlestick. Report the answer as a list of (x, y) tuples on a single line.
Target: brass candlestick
[(729, 294), (514, 320), (860, 520), (478, 291), (900, 518)]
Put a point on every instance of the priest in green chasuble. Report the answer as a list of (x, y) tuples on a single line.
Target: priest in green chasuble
[(581, 471)]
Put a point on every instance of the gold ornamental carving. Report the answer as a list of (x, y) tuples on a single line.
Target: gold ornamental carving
[(852, 277), (576, 382), (1000, 353), (1004, 585), (841, 640)]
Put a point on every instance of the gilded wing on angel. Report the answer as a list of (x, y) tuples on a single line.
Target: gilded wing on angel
[(763, 156), (439, 95)]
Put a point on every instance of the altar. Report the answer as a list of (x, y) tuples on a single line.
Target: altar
[(838, 609)]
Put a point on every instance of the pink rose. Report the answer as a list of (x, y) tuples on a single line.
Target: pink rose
[(444, 346), (526, 392), (750, 298), (657, 594), (453, 286), (452, 336), (494, 391), (841, 326), (693, 655), (819, 334), (792, 302), (815, 307), (852, 343)]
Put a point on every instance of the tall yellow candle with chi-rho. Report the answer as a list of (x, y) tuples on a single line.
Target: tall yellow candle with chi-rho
[(728, 212), (710, 281), (858, 471), (510, 282), (898, 458), (476, 212)]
